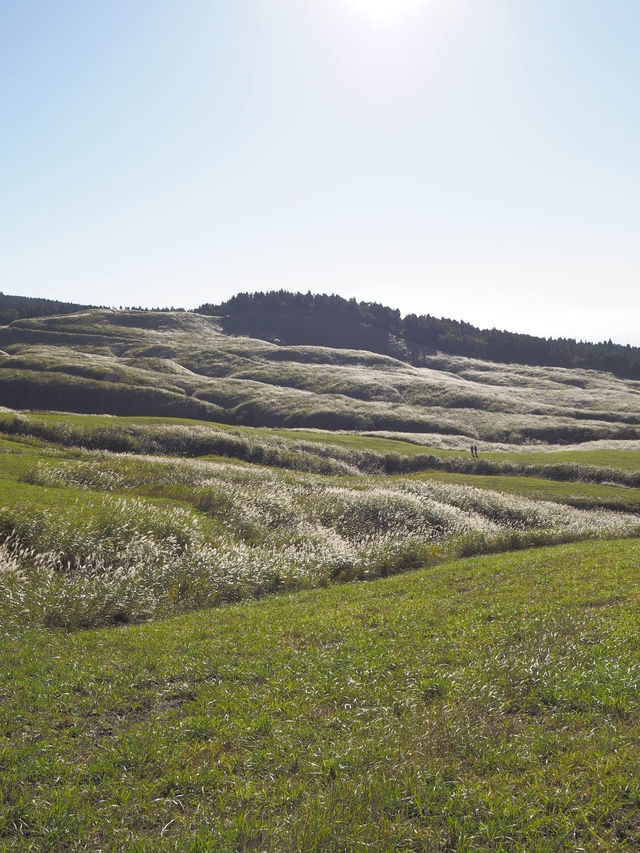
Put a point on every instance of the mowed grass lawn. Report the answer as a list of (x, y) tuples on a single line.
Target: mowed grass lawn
[(491, 704)]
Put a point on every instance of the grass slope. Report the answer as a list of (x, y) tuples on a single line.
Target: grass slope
[(92, 535), (572, 494), (178, 364), (486, 705), (304, 449)]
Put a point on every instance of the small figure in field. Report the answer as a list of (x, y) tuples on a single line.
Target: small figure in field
[(473, 450), (476, 450)]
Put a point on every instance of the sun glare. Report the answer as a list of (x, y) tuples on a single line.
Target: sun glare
[(385, 11)]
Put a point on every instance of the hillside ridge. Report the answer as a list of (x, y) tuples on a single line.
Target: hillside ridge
[(332, 320), (184, 364)]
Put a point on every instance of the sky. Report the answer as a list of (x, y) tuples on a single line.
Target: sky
[(472, 159)]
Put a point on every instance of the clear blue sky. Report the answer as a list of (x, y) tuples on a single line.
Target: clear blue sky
[(475, 159)]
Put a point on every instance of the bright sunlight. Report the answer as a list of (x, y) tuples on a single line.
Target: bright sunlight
[(385, 11)]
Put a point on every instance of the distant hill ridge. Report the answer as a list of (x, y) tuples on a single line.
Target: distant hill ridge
[(188, 365), (25, 307), (332, 321), (323, 320)]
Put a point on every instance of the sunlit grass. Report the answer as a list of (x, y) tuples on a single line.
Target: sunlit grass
[(605, 457), (485, 705), (182, 364), (99, 537), (578, 494), (319, 451)]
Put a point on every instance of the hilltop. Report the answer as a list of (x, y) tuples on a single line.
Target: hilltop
[(16, 307), (297, 318)]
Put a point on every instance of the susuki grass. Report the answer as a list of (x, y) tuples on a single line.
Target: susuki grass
[(133, 363), (580, 494), (488, 704), (318, 452), (481, 705), (147, 536)]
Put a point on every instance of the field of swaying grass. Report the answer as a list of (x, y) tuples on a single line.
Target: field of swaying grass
[(95, 536), (477, 695), (486, 705), (320, 451), (179, 364), (486, 700)]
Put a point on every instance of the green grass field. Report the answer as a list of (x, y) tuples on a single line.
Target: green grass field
[(618, 458), (577, 494), (115, 519), (300, 449), (491, 704), (257, 700)]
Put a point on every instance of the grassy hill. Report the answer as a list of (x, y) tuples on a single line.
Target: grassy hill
[(183, 365), (307, 318), (15, 307), (185, 663)]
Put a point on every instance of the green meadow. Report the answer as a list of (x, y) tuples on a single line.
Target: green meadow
[(489, 704), (256, 597), (109, 520), (187, 667)]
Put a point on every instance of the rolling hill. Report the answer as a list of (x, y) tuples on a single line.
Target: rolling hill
[(186, 365), (475, 690)]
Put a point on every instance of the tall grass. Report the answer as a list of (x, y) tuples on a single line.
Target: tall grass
[(242, 532), (129, 363), (484, 706), (283, 451)]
